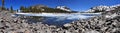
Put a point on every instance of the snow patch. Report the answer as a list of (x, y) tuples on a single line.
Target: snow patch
[(61, 15)]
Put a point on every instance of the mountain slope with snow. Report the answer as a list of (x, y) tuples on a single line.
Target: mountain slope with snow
[(103, 8)]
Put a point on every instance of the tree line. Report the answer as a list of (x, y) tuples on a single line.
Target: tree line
[(4, 8), (35, 9)]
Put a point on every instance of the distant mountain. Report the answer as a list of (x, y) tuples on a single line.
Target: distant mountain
[(38, 6), (64, 8), (103, 8), (43, 8)]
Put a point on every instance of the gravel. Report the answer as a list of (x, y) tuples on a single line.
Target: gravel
[(98, 24)]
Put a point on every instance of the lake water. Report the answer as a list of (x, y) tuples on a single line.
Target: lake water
[(57, 19)]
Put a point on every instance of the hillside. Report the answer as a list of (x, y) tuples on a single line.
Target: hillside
[(102, 8), (43, 8)]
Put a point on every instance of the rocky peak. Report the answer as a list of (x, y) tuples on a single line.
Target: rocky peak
[(101, 8), (63, 8)]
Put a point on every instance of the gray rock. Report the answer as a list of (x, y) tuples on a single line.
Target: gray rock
[(92, 31), (1, 25), (67, 25), (52, 26), (67, 31)]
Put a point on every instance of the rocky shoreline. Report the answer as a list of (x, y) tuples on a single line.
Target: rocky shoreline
[(99, 24)]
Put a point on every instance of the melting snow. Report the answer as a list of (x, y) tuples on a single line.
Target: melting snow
[(62, 15)]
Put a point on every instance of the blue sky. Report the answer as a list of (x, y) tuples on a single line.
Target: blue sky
[(77, 5)]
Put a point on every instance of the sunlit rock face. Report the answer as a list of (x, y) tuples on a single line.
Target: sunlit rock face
[(38, 6), (63, 8), (41, 7), (103, 8), (100, 9)]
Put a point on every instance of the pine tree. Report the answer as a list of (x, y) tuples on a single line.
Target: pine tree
[(11, 8), (3, 3), (22, 8)]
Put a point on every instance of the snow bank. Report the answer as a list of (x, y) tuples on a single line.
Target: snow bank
[(61, 15)]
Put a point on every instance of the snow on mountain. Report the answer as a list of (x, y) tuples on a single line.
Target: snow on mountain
[(63, 8), (115, 6), (103, 8)]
